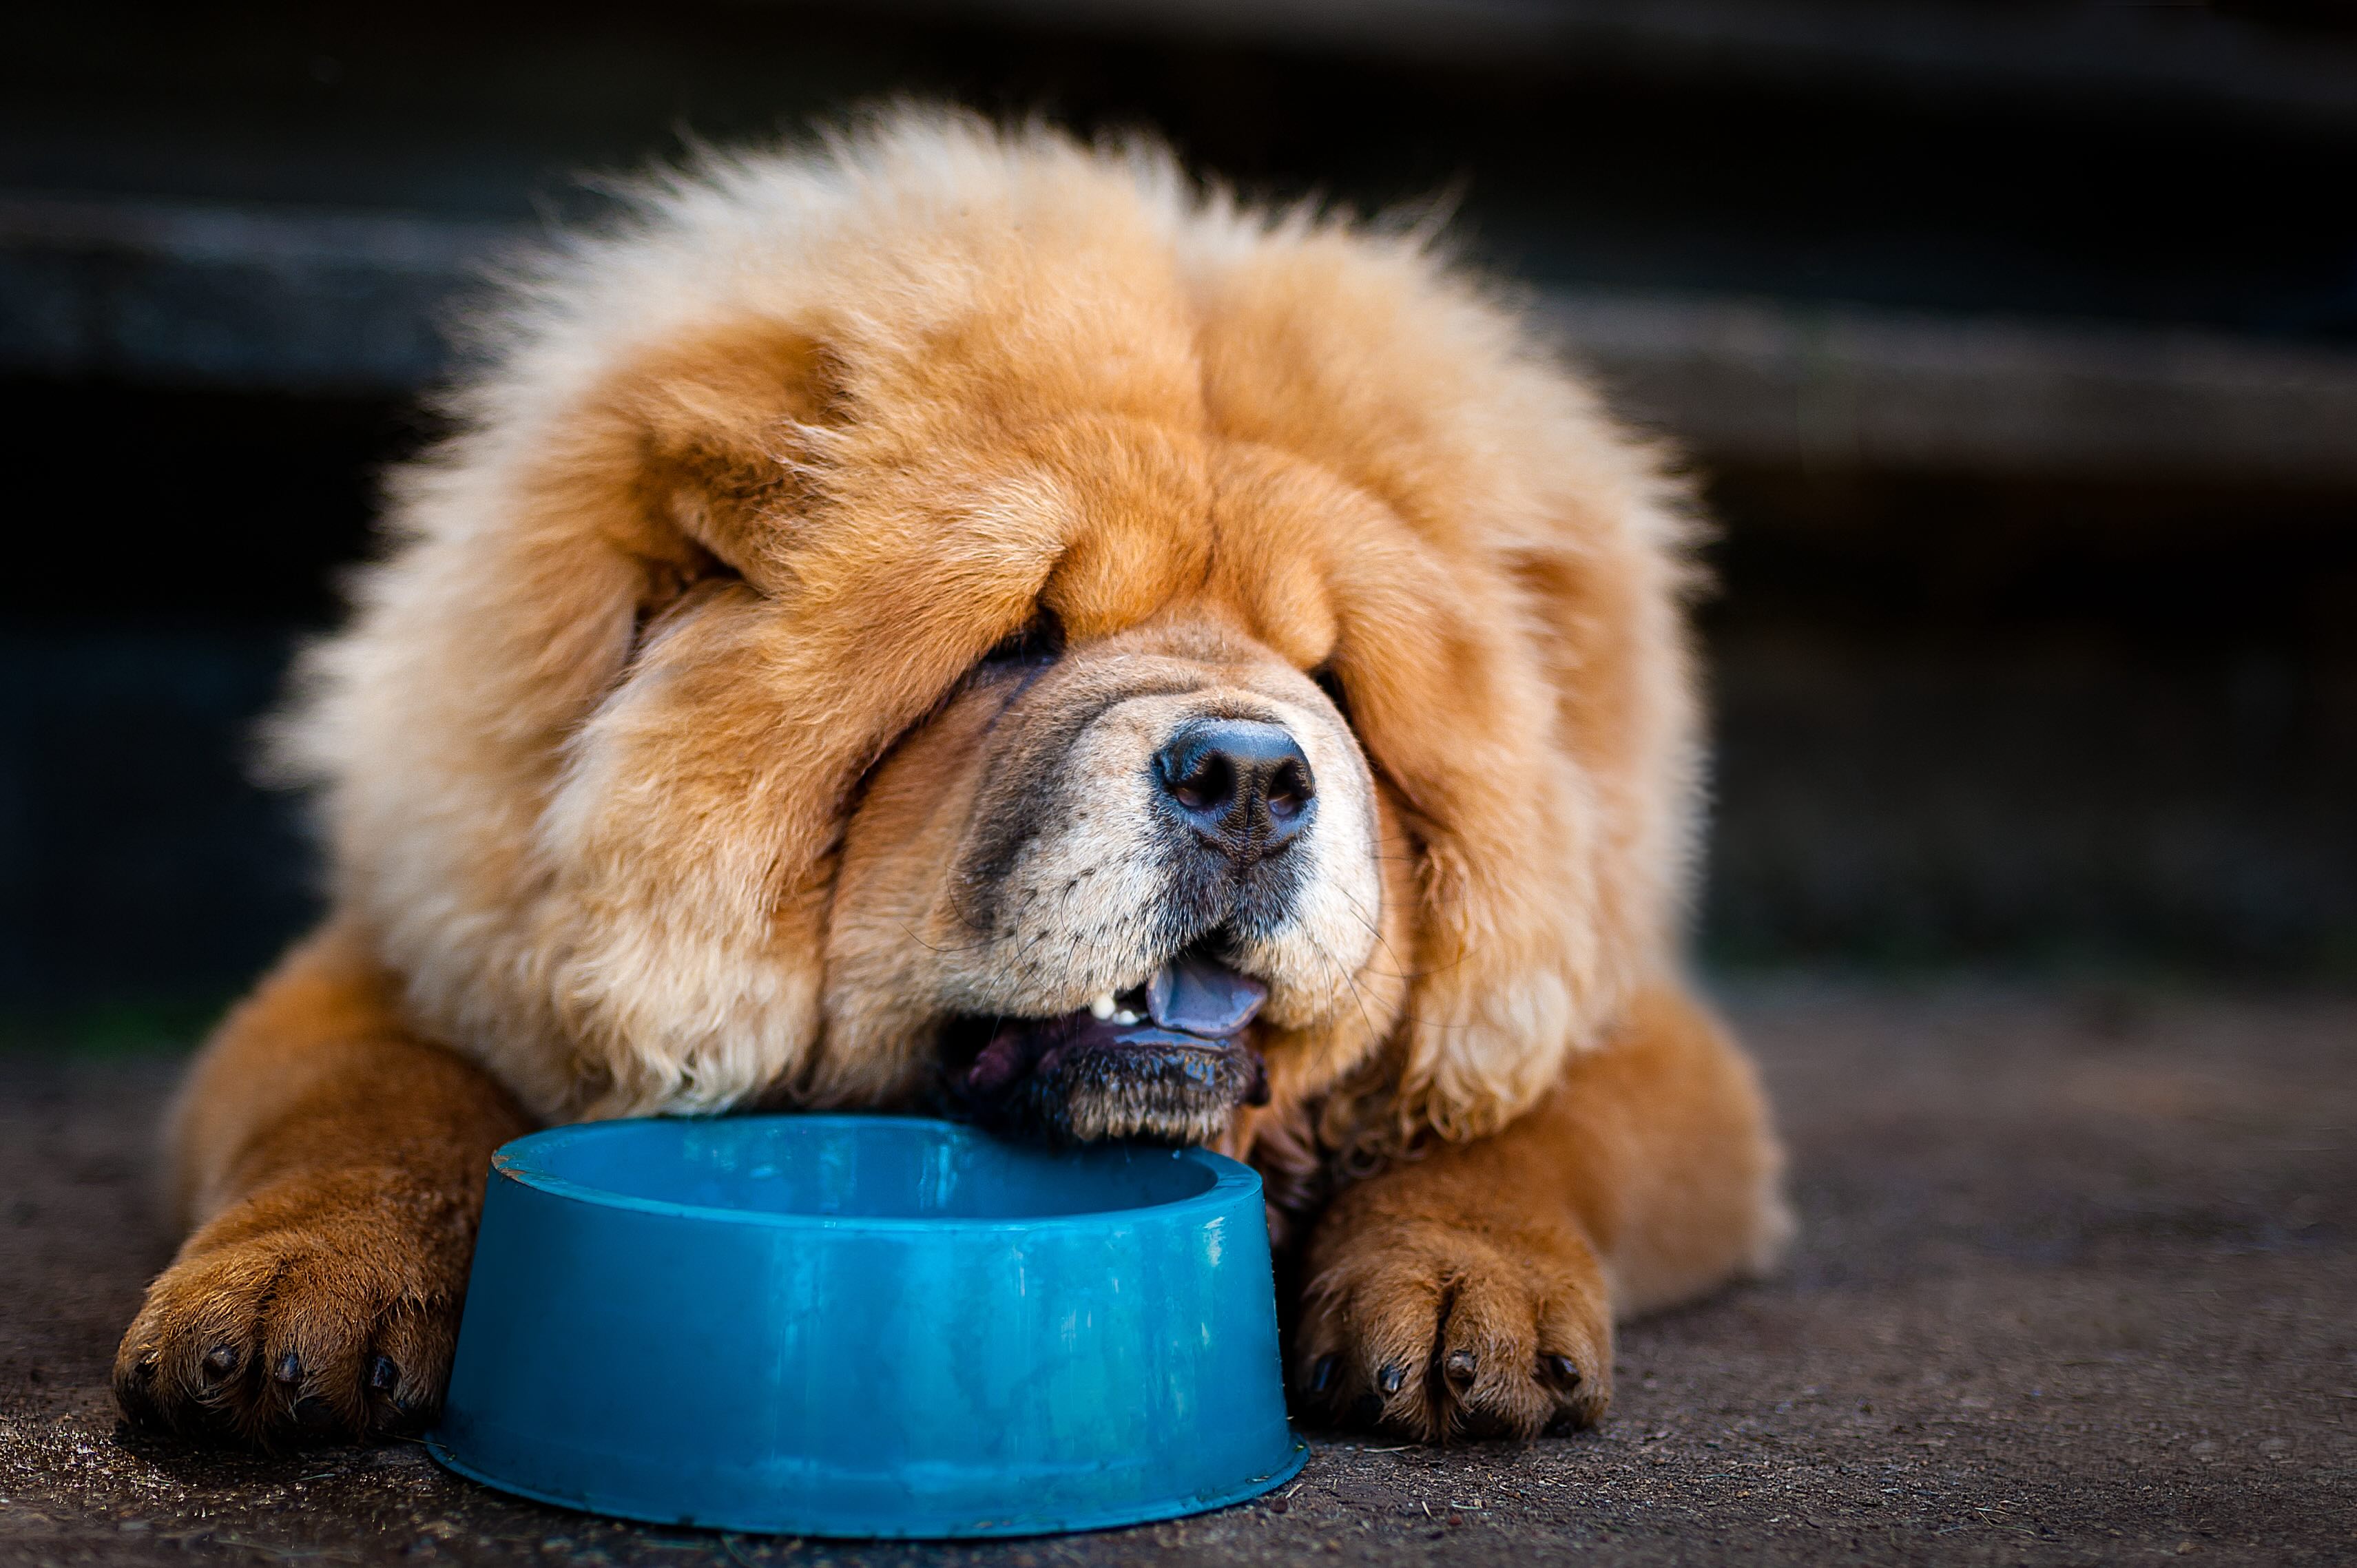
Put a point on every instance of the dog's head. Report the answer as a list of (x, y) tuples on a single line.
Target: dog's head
[(962, 617)]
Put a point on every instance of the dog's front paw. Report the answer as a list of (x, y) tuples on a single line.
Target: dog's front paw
[(1427, 1328), (272, 1329)]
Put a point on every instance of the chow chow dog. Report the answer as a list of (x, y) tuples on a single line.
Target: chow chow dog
[(953, 619)]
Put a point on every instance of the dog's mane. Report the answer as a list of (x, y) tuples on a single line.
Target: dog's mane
[(755, 351)]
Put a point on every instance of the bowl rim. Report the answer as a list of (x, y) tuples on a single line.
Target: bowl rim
[(1231, 1179)]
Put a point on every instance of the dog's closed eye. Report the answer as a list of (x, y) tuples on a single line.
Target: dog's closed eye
[(1331, 684), (1037, 645), (674, 591)]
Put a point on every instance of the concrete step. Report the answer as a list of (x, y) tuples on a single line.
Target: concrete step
[(301, 299)]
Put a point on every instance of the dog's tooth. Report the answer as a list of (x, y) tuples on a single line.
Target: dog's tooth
[(1102, 1006), (1124, 1016)]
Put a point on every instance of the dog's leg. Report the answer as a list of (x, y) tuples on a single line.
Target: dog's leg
[(1473, 1291), (332, 1168)]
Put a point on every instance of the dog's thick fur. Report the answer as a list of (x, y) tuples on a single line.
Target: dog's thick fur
[(667, 768)]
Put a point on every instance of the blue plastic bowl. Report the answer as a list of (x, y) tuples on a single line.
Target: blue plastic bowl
[(866, 1325)]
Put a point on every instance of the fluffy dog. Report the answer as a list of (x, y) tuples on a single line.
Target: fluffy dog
[(957, 620)]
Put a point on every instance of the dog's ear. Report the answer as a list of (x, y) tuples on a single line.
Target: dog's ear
[(725, 432), (684, 470)]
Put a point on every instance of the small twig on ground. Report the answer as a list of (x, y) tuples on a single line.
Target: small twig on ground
[(287, 1553)]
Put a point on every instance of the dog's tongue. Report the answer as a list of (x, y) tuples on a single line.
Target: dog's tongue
[(1196, 996)]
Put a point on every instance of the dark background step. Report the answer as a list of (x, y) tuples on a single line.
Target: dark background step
[(2015, 347)]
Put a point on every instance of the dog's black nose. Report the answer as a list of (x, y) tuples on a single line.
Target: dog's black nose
[(1243, 785)]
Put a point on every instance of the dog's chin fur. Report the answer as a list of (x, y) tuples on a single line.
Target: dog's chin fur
[(665, 767), (1183, 1096)]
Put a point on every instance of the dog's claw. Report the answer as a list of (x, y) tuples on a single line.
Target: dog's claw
[(383, 1375), (1565, 1370), (1459, 1367), (221, 1360), (290, 1368), (1322, 1376), (1391, 1379)]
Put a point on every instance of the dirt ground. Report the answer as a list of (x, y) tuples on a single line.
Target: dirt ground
[(2078, 1283)]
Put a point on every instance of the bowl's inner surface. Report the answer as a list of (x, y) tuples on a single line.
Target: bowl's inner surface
[(856, 1167)]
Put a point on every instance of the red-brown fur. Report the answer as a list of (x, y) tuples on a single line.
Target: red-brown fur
[(654, 749)]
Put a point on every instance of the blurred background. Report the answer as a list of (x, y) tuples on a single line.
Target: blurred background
[(2013, 343)]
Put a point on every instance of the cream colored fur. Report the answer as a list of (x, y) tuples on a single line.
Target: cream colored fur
[(604, 868)]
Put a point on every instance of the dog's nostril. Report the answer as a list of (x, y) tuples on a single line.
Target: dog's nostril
[(1244, 785), (1288, 789), (1211, 787)]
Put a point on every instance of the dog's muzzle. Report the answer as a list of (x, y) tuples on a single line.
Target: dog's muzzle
[(1168, 1060)]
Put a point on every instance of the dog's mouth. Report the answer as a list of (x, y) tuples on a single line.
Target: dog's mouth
[(1169, 1060)]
